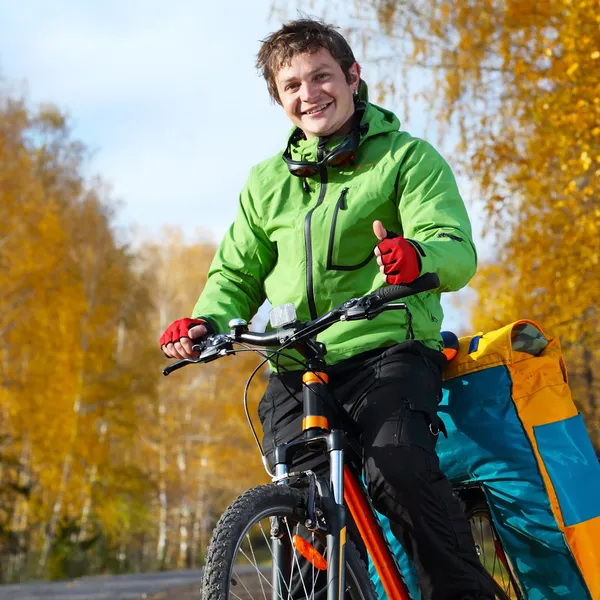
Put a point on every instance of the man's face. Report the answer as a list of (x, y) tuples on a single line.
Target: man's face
[(314, 93)]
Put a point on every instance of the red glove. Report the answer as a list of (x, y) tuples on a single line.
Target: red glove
[(178, 329), (400, 259)]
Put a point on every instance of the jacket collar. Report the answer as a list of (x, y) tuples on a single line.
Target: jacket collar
[(375, 121)]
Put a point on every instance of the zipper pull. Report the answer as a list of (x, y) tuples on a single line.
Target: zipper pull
[(305, 186), (341, 202)]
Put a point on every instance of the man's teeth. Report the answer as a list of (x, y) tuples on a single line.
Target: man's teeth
[(314, 110)]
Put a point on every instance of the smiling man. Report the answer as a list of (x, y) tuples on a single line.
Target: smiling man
[(314, 93), (312, 229)]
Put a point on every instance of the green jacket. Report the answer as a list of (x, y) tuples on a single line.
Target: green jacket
[(312, 244)]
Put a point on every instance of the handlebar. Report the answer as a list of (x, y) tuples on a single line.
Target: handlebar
[(365, 307), (426, 282)]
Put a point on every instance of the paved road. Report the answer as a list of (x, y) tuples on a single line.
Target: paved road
[(119, 587)]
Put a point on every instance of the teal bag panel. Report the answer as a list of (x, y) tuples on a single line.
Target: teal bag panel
[(487, 445), (485, 437), (572, 464)]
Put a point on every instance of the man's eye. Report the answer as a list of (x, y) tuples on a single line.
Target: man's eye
[(322, 75), (290, 86)]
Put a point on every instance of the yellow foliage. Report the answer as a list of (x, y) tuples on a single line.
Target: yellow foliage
[(106, 442)]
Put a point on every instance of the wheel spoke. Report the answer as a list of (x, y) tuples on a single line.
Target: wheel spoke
[(292, 569), (268, 545), (295, 560), (312, 596), (256, 565), (482, 540), (489, 553), (494, 562), (241, 580), (261, 576)]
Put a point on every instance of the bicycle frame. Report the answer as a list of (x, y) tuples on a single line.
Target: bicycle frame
[(370, 531), (346, 490)]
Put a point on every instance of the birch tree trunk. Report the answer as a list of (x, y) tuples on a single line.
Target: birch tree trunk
[(93, 470), (20, 519), (198, 537), (162, 488), (184, 510), (58, 503), (92, 479)]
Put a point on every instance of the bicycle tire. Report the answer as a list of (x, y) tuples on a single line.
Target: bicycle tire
[(234, 526), (484, 532)]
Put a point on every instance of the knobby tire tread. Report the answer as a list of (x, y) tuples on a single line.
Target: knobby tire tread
[(233, 522)]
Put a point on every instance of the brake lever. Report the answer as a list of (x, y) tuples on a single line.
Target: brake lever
[(178, 365), (368, 308), (394, 306), (355, 309), (213, 348), (385, 308)]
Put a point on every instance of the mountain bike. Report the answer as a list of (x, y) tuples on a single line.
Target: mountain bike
[(289, 539)]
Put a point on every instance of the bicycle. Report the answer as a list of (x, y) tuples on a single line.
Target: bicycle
[(298, 522)]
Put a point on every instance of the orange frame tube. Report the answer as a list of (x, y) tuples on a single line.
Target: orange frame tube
[(374, 541)]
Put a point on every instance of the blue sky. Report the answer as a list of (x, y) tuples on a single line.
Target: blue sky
[(165, 94)]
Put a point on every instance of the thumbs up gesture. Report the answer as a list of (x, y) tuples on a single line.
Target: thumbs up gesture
[(397, 258)]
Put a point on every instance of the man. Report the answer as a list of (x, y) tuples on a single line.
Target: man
[(312, 229)]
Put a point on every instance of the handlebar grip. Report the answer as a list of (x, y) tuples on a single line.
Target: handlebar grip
[(426, 282), (174, 366)]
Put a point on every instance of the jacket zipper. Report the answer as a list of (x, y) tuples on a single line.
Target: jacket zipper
[(307, 237), (339, 206), (451, 236)]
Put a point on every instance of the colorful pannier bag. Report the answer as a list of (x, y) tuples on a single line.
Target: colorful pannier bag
[(513, 430)]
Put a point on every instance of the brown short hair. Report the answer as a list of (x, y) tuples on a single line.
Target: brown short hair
[(297, 37)]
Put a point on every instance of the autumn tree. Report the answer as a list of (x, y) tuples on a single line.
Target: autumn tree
[(68, 289), (104, 463), (518, 84), (199, 432)]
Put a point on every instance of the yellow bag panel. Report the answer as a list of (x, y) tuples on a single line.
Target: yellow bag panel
[(540, 392), (541, 395), (583, 542), (494, 348)]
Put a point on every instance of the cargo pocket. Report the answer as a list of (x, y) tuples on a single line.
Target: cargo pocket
[(417, 426)]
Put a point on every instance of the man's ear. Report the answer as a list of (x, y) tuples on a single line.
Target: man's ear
[(355, 76)]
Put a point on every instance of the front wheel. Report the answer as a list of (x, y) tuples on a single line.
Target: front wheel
[(261, 549)]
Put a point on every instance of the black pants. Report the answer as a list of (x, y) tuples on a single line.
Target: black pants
[(391, 397)]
